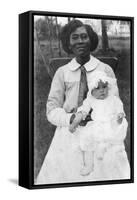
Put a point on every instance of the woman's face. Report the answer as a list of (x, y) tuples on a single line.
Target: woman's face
[(80, 42)]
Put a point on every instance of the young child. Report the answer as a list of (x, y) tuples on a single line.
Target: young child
[(109, 126)]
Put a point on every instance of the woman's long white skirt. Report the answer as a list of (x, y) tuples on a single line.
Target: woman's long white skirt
[(63, 162)]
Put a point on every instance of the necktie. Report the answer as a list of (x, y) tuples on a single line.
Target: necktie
[(83, 87)]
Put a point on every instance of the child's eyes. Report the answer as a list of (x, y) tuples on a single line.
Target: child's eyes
[(98, 88)]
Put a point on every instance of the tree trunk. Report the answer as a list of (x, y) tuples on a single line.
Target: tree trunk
[(105, 44), (57, 30), (46, 64), (50, 39)]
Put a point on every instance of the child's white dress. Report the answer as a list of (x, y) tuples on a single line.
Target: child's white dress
[(104, 131)]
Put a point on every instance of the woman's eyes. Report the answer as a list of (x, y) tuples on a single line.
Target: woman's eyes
[(75, 37), (82, 36)]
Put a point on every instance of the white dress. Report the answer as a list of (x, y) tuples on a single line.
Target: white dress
[(63, 161), (104, 130)]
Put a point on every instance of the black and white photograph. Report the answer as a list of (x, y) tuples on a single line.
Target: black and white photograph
[(82, 99), (82, 73)]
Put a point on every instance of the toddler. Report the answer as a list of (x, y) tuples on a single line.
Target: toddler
[(108, 126)]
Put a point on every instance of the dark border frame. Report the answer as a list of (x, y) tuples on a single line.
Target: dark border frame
[(26, 99)]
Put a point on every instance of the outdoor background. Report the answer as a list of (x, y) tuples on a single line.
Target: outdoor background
[(114, 40)]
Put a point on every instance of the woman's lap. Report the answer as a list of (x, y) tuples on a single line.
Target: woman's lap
[(63, 162)]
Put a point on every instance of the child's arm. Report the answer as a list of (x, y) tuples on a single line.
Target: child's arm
[(81, 114), (85, 108)]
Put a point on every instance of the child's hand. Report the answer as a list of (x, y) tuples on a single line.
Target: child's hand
[(120, 118)]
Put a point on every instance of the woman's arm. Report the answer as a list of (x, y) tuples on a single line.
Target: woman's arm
[(55, 112), (119, 122), (111, 74), (119, 110)]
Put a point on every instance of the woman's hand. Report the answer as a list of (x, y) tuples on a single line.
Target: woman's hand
[(78, 118), (120, 118), (72, 128)]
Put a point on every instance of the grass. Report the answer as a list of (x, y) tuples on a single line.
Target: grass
[(44, 131)]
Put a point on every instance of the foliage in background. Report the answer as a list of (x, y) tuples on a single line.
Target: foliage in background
[(47, 28)]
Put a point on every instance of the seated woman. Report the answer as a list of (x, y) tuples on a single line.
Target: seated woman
[(63, 160)]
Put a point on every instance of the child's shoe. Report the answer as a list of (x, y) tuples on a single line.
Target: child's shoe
[(86, 170)]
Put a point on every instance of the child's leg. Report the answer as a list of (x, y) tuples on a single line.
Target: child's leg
[(88, 161), (101, 150)]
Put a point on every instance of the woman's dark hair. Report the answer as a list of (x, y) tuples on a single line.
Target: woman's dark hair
[(71, 27)]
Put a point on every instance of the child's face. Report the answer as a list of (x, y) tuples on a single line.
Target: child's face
[(101, 92)]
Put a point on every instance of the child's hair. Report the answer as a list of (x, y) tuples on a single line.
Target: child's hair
[(98, 76), (102, 82)]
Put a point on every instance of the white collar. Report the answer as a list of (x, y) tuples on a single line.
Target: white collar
[(89, 66)]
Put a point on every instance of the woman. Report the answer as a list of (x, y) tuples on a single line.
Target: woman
[(63, 161)]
